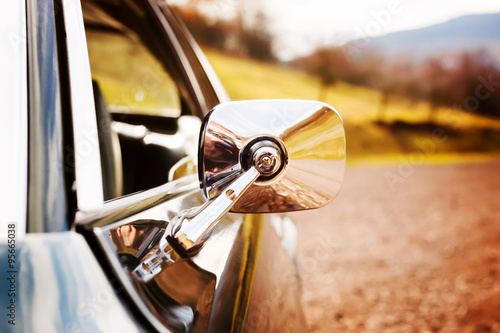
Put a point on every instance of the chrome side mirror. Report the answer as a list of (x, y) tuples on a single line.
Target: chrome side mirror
[(260, 157), (306, 143)]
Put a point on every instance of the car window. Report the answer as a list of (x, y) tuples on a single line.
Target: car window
[(131, 79), (144, 108)]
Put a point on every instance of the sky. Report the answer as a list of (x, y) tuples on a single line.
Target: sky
[(301, 25)]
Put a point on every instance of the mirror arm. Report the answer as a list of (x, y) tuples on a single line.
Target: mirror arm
[(192, 227)]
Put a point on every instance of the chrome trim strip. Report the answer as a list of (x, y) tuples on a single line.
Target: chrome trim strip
[(14, 125), (192, 80), (87, 157), (123, 207), (47, 202)]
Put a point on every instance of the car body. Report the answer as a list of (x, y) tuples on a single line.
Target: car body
[(96, 168)]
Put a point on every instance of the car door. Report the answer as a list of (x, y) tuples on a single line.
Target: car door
[(101, 166), (138, 92)]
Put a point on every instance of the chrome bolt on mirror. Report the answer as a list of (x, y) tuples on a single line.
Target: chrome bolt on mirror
[(261, 157)]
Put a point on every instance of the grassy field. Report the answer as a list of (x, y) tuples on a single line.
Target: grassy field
[(405, 130)]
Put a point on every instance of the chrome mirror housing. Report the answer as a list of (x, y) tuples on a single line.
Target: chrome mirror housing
[(303, 140)]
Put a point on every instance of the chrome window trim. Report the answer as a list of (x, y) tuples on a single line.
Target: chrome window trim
[(88, 175), (14, 128), (217, 85), (121, 208), (47, 200), (188, 70)]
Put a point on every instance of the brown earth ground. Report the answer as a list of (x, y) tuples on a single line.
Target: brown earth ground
[(420, 255)]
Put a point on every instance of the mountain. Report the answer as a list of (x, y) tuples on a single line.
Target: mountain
[(467, 33)]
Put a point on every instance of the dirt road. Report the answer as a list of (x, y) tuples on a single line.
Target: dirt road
[(405, 250)]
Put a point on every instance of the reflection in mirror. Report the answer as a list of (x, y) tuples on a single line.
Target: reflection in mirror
[(186, 166), (135, 242)]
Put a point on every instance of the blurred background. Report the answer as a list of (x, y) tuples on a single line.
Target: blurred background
[(411, 243), (394, 69)]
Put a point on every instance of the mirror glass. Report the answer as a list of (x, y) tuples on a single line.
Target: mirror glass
[(311, 135)]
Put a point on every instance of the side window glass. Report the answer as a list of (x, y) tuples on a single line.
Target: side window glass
[(130, 78), (145, 125)]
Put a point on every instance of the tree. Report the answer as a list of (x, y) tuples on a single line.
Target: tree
[(329, 65), (243, 31), (436, 80)]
